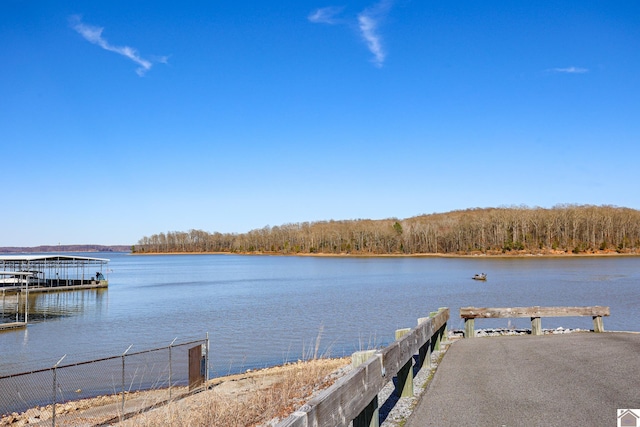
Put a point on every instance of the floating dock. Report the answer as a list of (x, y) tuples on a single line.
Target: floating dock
[(52, 272), (12, 325), (24, 274)]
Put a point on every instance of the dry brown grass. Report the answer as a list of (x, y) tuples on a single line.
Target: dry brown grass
[(250, 400)]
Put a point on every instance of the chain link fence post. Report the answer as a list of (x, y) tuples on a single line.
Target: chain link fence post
[(170, 372), (55, 388), (206, 378), (123, 385)]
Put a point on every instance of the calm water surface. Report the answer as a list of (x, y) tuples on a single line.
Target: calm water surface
[(265, 310)]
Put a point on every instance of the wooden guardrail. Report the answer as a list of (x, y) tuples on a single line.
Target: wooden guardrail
[(354, 397), (469, 314)]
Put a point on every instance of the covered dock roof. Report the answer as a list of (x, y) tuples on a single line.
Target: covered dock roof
[(29, 258), (56, 270), (29, 262)]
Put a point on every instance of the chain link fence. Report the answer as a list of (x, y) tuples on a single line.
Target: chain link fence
[(105, 390)]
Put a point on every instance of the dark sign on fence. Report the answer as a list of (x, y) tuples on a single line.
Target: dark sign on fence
[(196, 371)]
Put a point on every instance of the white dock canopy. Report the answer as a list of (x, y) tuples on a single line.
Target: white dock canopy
[(55, 270)]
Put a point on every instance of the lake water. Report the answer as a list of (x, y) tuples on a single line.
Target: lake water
[(266, 310)]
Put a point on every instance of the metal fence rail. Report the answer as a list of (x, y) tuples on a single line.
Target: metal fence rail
[(114, 380)]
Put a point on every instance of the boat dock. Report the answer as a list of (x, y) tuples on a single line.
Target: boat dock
[(56, 287), (63, 272), (24, 274), (12, 325)]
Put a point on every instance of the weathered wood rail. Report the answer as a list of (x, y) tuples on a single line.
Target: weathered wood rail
[(354, 397), (469, 314)]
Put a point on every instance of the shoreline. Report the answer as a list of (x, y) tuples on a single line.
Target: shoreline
[(229, 389), (557, 254)]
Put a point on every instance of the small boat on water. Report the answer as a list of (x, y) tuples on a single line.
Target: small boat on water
[(481, 276)]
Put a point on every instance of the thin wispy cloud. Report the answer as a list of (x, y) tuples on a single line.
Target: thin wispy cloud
[(570, 70), (368, 23), (93, 35), (325, 15)]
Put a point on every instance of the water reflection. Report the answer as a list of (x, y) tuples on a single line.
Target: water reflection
[(44, 306), (9, 308)]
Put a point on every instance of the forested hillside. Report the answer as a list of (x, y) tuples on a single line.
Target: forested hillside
[(65, 248), (512, 230)]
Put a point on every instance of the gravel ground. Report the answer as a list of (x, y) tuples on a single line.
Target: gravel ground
[(394, 410)]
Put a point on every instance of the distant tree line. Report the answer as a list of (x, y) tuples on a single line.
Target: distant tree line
[(519, 229), (65, 248)]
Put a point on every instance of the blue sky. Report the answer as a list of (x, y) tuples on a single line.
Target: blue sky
[(122, 119)]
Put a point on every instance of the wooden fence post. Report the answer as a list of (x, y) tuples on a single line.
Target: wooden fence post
[(598, 326), (536, 326), (469, 326), (369, 417), (438, 334), (444, 328), (404, 386), (424, 353)]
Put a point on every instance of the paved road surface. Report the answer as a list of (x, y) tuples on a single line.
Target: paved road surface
[(577, 379)]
